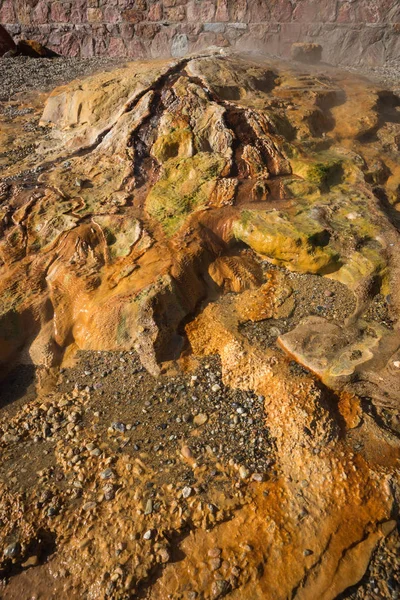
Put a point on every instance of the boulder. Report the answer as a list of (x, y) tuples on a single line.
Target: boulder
[(6, 41), (306, 52), (34, 49)]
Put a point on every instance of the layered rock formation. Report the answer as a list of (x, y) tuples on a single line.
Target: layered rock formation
[(352, 32), (197, 207)]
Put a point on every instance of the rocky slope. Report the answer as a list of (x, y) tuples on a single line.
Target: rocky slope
[(209, 248)]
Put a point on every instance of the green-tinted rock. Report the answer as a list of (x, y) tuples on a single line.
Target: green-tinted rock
[(186, 185), (297, 243)]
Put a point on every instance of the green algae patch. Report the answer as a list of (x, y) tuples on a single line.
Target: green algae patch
[(186, 185), (177, 143), (321, 173), (298, 188), (300, 244)]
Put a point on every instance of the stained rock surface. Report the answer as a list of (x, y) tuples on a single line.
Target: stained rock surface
[(209, 249)]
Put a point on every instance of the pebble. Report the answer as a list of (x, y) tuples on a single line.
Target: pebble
[(243, 472), (186, 452), (219, 588), (200, 419), (107, 474), (186, 492), (118, 426), (214, 552), (215, 564), (148, 534), (216, 387), (89, 505), (149, 507), (32, 561), (12, 550), (164, 555)]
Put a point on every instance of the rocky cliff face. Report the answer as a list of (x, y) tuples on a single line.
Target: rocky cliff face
[(215, 240), (352, 32)]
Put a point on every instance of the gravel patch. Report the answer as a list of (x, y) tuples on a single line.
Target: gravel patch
[(387, 76), (24, 74)]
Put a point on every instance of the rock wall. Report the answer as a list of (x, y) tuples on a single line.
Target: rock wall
[(351, 31)]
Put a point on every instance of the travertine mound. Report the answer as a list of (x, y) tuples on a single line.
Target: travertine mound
[(170, 205)]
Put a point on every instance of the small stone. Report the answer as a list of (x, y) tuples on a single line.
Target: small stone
[(186, 452), (200, 419), (214, 552), (12, 550), (215, 564), (107, 474), (219, 589), (216, 388), (308, 552), (118, 426), (10, 438), (186, 492), (32, 561), (243, 472), (109, 493), (148, 534), (149, 507), (164, 555), (89, 506), (259, 477)]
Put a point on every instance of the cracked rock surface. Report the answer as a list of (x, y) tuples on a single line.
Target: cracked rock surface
[(199, 334)]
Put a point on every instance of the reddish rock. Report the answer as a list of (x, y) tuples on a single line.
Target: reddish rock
[(40, 13), (237, 11), (69, 44), (136, 49), (6, 41), (175, 14), (321, 11), (59, 12), (222, 11), (126, 30), (7, 12), (133, 16), (346, 13), (116, 47), (112, 15), (258, 11), (201, 12), (281, 11), (155, 12), (146, 31), (161, 44)]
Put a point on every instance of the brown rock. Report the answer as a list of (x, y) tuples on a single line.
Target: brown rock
[(307, 53), (34, 49), (6, 41)]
